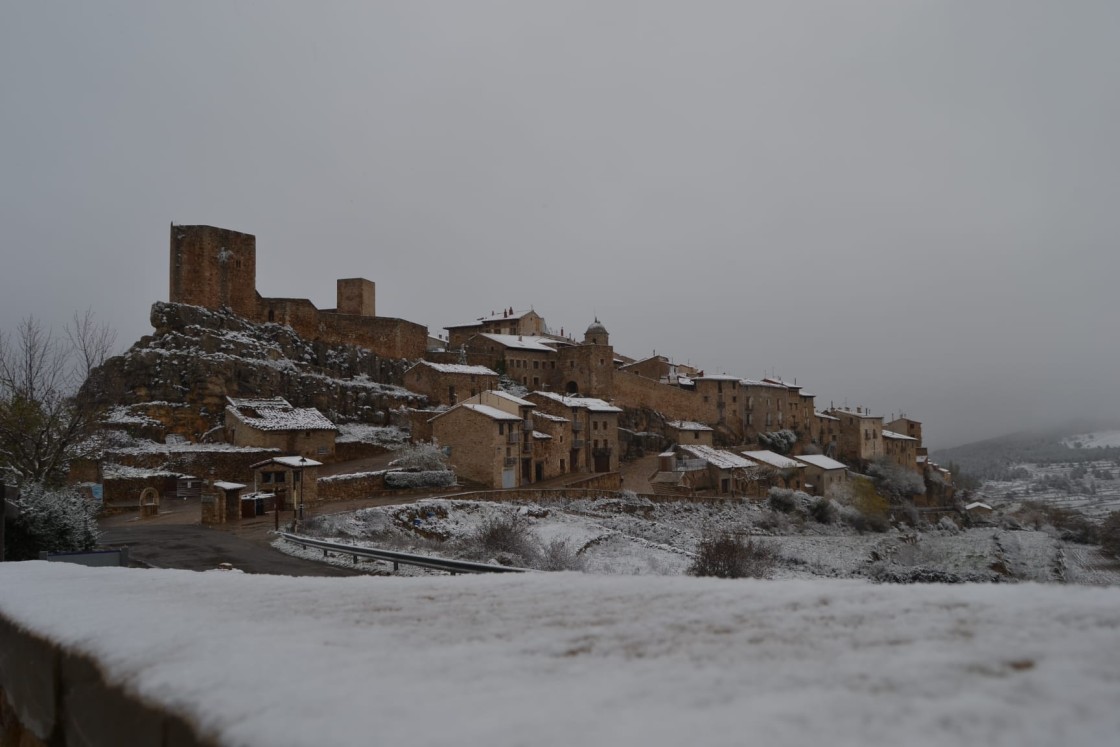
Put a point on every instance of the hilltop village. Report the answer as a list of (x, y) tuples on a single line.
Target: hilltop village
[(248, 400)]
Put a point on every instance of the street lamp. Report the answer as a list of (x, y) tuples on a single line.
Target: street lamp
[(302, 466)]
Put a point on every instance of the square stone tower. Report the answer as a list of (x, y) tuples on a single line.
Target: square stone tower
[(214, 268)]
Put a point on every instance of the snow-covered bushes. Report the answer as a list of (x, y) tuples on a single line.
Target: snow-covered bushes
[(51, 520), (790, 501), (558, 555), (1110, 535), (422, 456), (729, 555), (778, 441), (896, 483), (824, 511), (436, 478)]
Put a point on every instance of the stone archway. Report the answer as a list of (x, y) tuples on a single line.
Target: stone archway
[(149, 502), (572, 388)]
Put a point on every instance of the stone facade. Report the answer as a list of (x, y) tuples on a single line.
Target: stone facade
[(902, 450), (448, 384), (292, 479), (861, 436), (593, 446), (272, 423), (484, 442), (823, 473)]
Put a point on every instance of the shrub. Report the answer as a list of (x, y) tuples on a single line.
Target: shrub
[(778, 441), (558, 555), (51, 521), (427, 479), (728, 555), (895, 482), (824, 511), (505, 534), (782, 500), (422, 456), (1110, 535)]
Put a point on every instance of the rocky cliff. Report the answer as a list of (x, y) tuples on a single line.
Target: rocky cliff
[(182, 373)]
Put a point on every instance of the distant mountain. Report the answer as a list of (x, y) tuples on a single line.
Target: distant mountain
[(1076, 441)]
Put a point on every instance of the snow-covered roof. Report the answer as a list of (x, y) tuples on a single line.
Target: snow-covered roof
[(289, 461), (718, 377), (498, 317), (276, 403), (457, 368), (773, 459), (754, 382), (821, 461), (541, 436), (897, 436), (977, 504), (547, 416), (778, 382), (228, 485), (509, 398), (718, 458), (576, 658), (922, 459), (491, 412), (523, 342), (588, 403), (687, 425), (269, 417), (826, 416)]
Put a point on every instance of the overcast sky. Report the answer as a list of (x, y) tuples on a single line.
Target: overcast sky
[(912, 206)]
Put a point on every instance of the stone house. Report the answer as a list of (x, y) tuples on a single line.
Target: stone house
[(688, 433), (594, 428), (292, 479), (272, 423), (504, 322), (821, 473), (661, 369), (826, 433), (727, 473), (902, 450), (484, 443), (448, 383), (776, 471), (861, 435)]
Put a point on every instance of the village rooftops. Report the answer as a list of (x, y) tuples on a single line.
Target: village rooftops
[(588, 403), (821, 461), (491, 412), (718, 458), (772, 459), (276, 414), (549, 417), (498, 317), (754, 382), (288, 461), (897, 436), (717, 377), (855, 413), (524, 342), (687, 425), (825, 416), (509, 398), (458, 368), (229, 485)]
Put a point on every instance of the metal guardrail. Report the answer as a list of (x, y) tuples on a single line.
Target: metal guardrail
[(396, 558)]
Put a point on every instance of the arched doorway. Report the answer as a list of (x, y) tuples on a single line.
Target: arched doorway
[(149, 502), (572, 388)]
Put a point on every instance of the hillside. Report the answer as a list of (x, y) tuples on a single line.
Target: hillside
[(181, 374)]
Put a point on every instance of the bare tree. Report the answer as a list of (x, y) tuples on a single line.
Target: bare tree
[(44, 417)]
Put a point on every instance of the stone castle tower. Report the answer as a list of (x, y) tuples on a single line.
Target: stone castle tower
[(596, 334), (214, 268)]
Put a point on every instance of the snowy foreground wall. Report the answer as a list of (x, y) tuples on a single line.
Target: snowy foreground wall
[(124, 656)]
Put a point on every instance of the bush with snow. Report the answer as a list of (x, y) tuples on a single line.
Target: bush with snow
[(436, 478), (778, 441), (422, 456), (790, 501), (895, 483), (731, 555), (50, 520)]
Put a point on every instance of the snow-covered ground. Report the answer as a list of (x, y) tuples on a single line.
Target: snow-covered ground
[(563, 659), (1093, 440), (1092, 488), (637, 537)]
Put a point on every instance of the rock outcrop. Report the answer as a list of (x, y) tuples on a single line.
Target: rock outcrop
[(182, 373)]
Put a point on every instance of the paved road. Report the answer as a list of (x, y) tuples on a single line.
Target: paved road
[(197, 548)]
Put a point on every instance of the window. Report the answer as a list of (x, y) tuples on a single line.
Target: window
[(501, 429), (696, 435), (594, 425), (536, 364)]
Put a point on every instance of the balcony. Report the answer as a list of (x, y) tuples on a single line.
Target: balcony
[(526, 447), (602, 451), (577, 425), (527, 424), (513, 437), (511, 462), (579, 443)]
